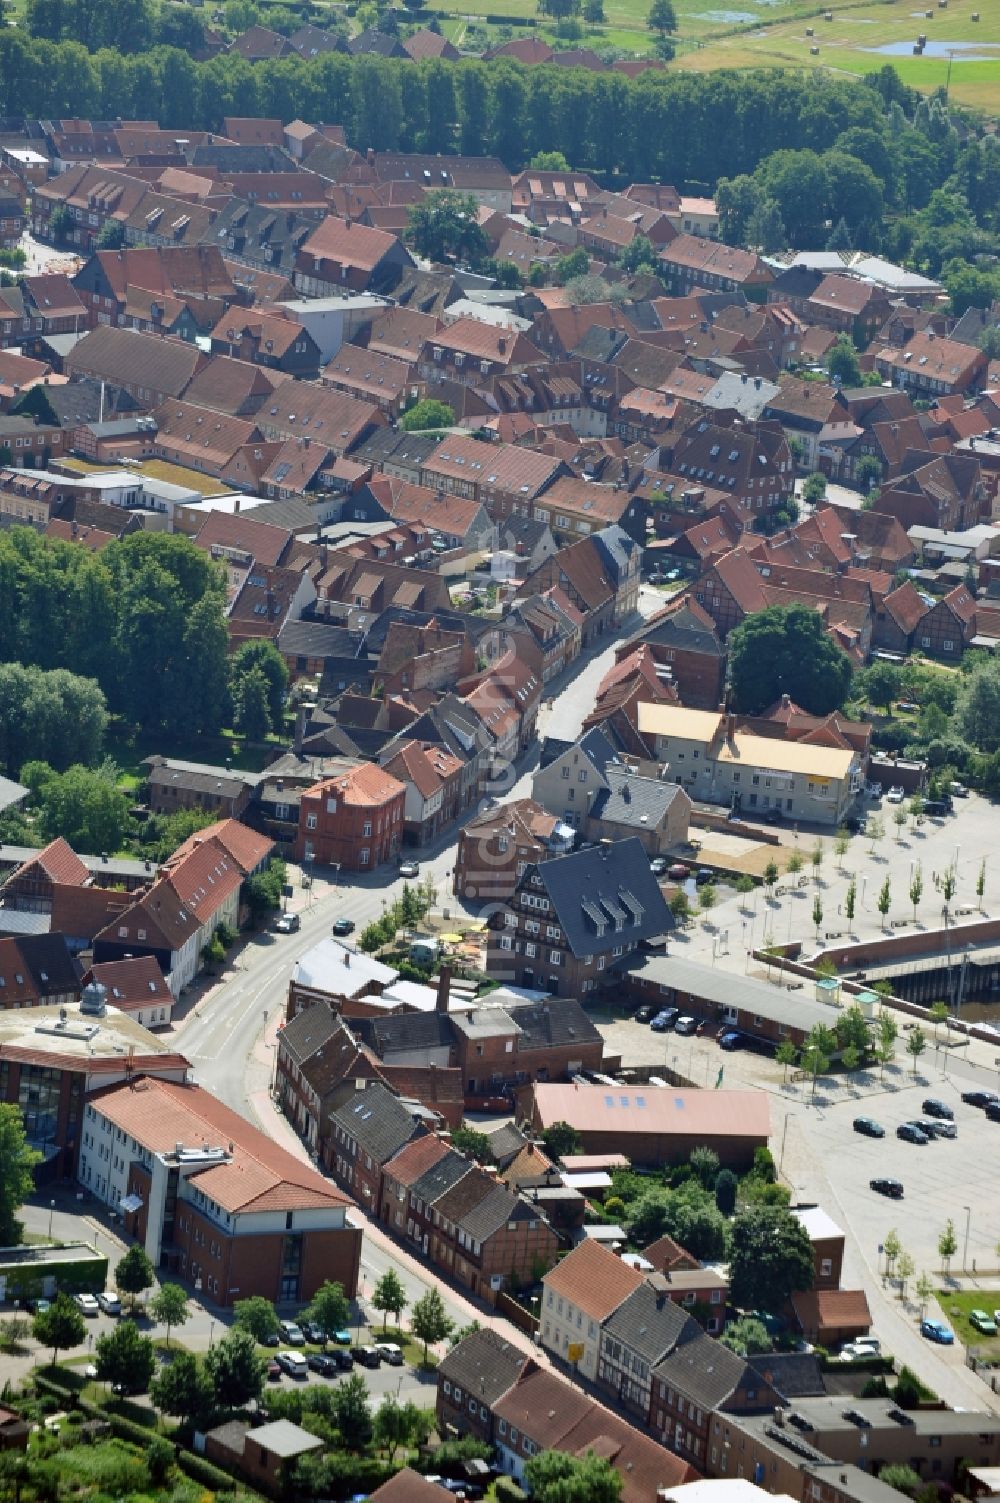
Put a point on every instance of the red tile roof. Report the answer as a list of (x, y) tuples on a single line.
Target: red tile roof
[(594, 1279)]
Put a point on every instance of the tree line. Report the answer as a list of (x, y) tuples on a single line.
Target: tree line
[(678, 127)]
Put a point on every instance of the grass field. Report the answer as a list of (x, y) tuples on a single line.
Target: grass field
[(956, 1307), (773, 33)]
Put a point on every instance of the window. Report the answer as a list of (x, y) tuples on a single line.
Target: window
[(506, 942), (826, 1267), (310, 821)]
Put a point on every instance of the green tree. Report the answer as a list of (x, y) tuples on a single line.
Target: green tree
[(817, 1053), (265, 657), (353, 1414), (256, 1315), (392, 1425), (916, 808), (549, 161), (794, 863), (83, 805), (916, 1043), (884, 901), (134, 1273), (125, 1358), (938, 1014), (429, 1321), (558, 1477), (726, 1186), (817, 915), (875, 830), (680, 907), (251, 715), (235, 1370), (916, 888), (924, 1290), (852, 1030), (814, 487), (785, 650), (60, 223), (887, 1035), (949, 884), (17, 1163), (766, 228), (977, 712), (430, 413), (593, 12), (707, 897), (61, 1326), (842, 363), (445, 223), (390, 1296), (947, 1245), (786, 1054), (662, 17), (570, 267), (905, 1267), (169, 1307), (868, 472), (903, 1478), (474, 1144), (747, 1337), (329, 1307), (770, 874), (981, 883), (640, 253), (183, 1388), (561, 1139), (705, 1164), (881, 684), (841, 842), (770, 1258)]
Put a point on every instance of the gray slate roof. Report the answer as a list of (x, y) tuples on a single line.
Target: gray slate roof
[(633, 800), (484, 1364), (594, 891), (649, 1324), (701, 1368), (377, 1120), (441, 1176), (316, 639), (795, 1375), (558, 1021)]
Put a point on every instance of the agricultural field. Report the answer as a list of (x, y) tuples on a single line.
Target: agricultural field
[(860, 38)]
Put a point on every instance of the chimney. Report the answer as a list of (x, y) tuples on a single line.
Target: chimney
[(444, 989)]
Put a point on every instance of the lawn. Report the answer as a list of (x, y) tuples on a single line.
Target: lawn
[(956, 1307), (849, 42)]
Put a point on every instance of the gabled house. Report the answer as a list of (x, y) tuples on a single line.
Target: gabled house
[(471, 1378), (693, 1384), (593, 907), (638, 1334), (495, 847), (578, 1296), (340, 255)]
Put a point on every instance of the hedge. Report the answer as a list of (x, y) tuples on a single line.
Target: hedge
[(200, 1470)]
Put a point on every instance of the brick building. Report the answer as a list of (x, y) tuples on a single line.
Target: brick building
[(353, 820), (494, 848), (683, 639), (212, 1199)]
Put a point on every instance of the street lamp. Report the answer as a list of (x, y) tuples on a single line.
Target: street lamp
[(965, 1249), (52, 1206), (211, 1333)]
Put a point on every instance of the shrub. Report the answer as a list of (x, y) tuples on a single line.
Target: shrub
[(506, 1490), (200, 1470)]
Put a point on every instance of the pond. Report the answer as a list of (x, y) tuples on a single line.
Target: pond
[(964, 52)]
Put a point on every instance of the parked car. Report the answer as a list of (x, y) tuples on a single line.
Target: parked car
[(703, 876), (320, 1363), (936, 1330), (271, 1339), (937, 808), (665, 1020), (390, 1353), (87, 1304), (678, 871), (911, 1133), (935, 1128), (958, 790), (855, 1351), (291, 1332), (993, 1111), (314, 1332), (342, 1338), (109, 1302), (644, 1014), (366, 1356), (891, 1187), (730, 1039), (37, 1306), (932, 1107), (288, 923), (869, 1127), (409, 868), (343, 1359), (658, 866), (908, 706), (293, 1363), (273, 1370), (983, 1322), (686, 1024), (980, 1098), (343, 926), (769, 816), (895, 795)]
